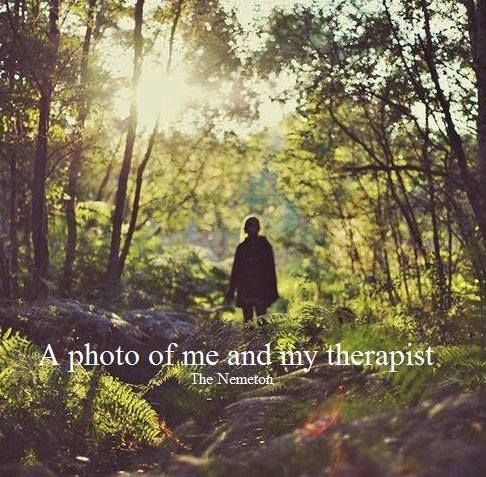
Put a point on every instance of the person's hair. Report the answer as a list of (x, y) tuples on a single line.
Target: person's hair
[(252, 218), (249, 221)]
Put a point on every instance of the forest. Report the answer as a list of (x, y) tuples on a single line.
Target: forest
[(136, 136)]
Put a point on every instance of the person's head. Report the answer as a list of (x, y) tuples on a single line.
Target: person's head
[(252, 226)]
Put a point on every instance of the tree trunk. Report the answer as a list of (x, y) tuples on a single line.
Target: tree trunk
[(14, 243), (136, 200), (39, 215), (5, 289), (394, 225), (70, 203), (39, 206), (148, 153), (439, 286), (473, 185), (351, 247), (382, 254), (481, 75), (113, 267), (418, 273), (100, 195), (407, 211), (104, 182)]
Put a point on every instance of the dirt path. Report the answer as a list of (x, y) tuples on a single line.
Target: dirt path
[(299, 427)]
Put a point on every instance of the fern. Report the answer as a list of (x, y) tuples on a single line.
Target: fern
[(12, 344), (463, 366), (50, 406), (122, 415)]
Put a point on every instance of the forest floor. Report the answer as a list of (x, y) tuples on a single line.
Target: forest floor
[(296, 430), (327, 421)]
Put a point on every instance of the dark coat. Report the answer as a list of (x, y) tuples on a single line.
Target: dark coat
[(253, 273)]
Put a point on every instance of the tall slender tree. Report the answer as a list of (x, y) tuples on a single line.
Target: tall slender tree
[(114, 264), (148, 153), (480, 58), (39, 206), (72, 186)]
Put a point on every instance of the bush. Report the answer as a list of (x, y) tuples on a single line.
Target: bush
[(180, 278), (155, 274), (44, 408)]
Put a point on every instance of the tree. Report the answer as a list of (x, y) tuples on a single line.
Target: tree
[(113, 269), (391, 67), (148, 153), (72, 188), (39, 206)]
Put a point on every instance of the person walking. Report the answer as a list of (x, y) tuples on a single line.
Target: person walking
[(253, 275)]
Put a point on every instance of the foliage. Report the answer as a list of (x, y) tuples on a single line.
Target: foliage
[(179, 277), (367, 171), (123, 416), (455, 367), (306, 327), (181, 397), (157, 273), (44, 407)]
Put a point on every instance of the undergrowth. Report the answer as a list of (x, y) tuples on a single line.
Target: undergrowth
[(45, 409), (309, 326)]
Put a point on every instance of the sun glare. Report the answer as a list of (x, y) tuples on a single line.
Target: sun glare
[(167, 95), (159, 93)]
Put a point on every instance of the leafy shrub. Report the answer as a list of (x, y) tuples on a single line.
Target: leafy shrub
[(179, 277), (307, 325), (461, 366), (183, 399), (94, 224), (305, 328), (44, 408)]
